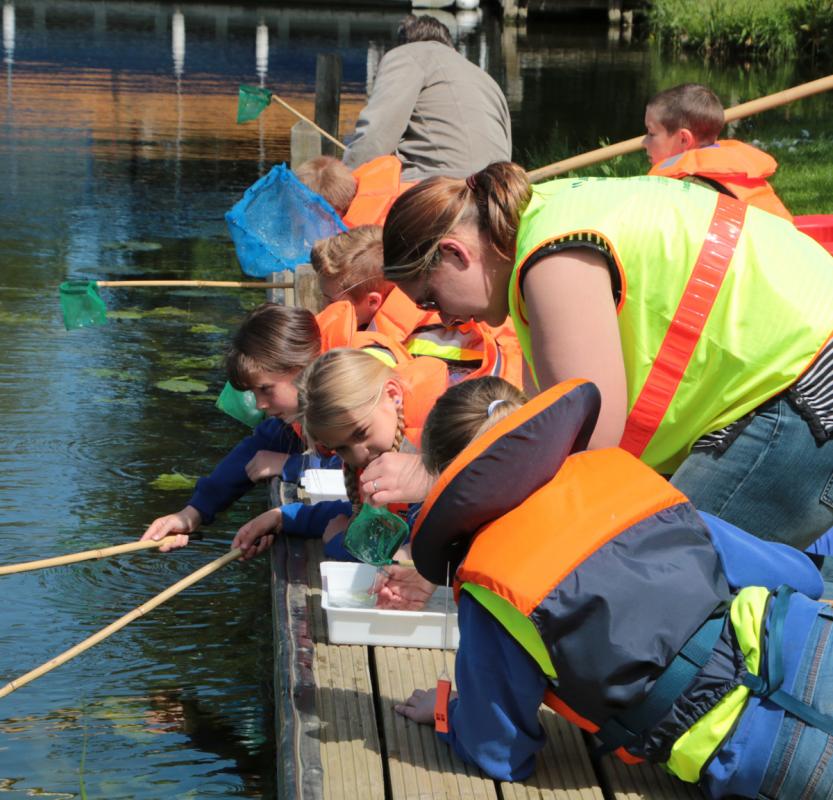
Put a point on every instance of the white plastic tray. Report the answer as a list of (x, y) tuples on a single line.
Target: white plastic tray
[(324, 484), (353, 619)]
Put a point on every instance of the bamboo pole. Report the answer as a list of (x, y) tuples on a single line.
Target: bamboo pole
[(84, 555), (309, 121), (632, 145), (226, 284), (121, 622)]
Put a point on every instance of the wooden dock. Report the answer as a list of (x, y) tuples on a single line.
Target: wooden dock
[(338, 736)]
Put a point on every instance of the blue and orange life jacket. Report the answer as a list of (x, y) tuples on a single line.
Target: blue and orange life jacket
[(600, 569)]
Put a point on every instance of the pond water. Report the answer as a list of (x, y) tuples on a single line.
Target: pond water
[(118, 156)]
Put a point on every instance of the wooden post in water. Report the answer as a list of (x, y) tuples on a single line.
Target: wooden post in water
[(328, 97)]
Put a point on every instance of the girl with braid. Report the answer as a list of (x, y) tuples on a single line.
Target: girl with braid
[(352, 404)]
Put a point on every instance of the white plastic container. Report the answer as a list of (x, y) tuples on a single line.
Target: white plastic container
[(324, 484), (353, 619)]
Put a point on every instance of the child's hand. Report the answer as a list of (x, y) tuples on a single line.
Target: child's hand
[(335, 526), (183, 523), (419, 706), (395, 478), (265, 464), (401, 588), (258, 534)]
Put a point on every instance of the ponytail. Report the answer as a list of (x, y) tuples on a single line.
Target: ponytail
[(493, 199)]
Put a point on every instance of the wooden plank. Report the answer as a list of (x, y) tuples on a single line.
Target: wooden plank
[(564, 770), (644, 782), (420, 766), (326, 723)]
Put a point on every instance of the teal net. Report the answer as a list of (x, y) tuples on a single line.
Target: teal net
[(81, 304), (240, 405), (375, 535), (277, 221), (251, 100)]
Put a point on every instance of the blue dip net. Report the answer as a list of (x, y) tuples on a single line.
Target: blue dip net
[(277, 221)]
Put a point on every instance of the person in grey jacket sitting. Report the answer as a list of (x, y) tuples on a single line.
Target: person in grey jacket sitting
[(437, 112)]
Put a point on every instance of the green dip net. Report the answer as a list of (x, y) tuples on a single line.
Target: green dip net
[(251, 100), (81, 304), (375, 535)]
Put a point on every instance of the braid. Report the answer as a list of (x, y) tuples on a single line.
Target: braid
[(351, 484), (400, 430), (351, 475)]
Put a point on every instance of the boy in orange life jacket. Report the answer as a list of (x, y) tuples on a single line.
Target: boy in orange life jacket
[(349, 267), (362, 196), (682, 125)]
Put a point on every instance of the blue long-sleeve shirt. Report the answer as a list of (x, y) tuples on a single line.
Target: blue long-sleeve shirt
[(494, 722), (228, 481)]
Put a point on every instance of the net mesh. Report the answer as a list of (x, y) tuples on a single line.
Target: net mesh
[(251, 100), (81, 304), (277, 221), (375, 535), (240, 405)]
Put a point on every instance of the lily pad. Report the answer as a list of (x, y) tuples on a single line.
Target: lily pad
[(116, 374), (167, 311), (125, 313), (205, 328), (199, 362), (182, 384), (173, 481), (133, 246)]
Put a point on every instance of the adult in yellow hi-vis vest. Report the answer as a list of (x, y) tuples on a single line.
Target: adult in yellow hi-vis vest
[(704, 322)]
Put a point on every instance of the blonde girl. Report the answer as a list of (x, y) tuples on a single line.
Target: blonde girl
[(352, 404)]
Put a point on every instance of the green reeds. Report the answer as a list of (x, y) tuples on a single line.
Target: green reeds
[(768, 29)]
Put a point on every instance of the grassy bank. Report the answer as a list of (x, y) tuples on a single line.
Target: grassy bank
[(772, 29)]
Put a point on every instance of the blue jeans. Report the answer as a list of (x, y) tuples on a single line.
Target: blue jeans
[(774, 480), (801, 765)]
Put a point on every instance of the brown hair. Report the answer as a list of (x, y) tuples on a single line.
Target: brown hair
[(423, 28), (330, 178), (493, 198), (463, 413), (272, 338), (354, 259), (337, 384), (692, 106)]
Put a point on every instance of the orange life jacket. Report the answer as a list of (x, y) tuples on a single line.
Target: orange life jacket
[(737, 167), (497, 350), (337, 323), (378, 185), (423, 380), (576, 542)]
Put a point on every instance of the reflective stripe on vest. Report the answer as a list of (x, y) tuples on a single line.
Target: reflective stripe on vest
[(770, 318), (687, 325)]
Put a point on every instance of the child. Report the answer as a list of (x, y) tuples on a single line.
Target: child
[(360, 197), (353, 405), (682, 126), (590, 583), (349, 266), (271, 348)]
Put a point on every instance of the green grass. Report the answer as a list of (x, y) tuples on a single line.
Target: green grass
[(769, 29)]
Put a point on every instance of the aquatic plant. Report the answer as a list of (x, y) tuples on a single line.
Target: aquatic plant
[(182, 384), (768, 29)]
